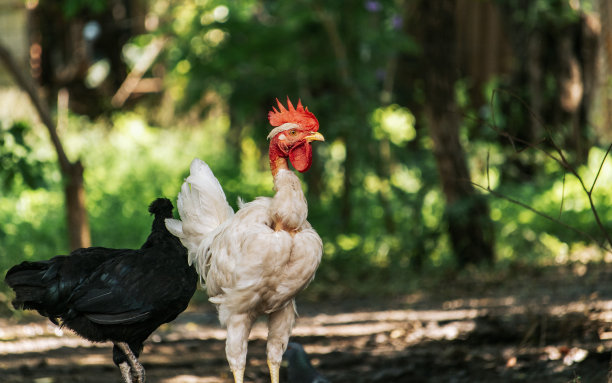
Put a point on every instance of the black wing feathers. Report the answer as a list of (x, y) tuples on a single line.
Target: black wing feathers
[(108, 287), (122, 318)]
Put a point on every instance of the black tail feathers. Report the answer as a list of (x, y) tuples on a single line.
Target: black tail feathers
[(35, 285)]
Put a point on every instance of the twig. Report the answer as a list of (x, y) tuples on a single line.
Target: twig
[(588, 192), (561, 160), (541, 214), (562, 196), (504, 134), (135, 76), (488, 177), (45, 116), (600, 167)]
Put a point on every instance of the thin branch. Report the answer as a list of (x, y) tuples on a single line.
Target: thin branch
[(600, 167), (562, 196), (488, 177), (561, 160), (598, 220), (541, 214), (140, 68), (511, 138), (588, 192), (28, 86), (72, 173)]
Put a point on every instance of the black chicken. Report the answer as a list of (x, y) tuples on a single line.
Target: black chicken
[(118, 295), (299, 368)]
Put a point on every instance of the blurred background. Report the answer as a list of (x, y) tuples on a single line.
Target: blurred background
[(459, 134), (463, 194)]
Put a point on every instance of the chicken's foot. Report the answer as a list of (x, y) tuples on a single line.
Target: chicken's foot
[(135, 365), (280, 324), (238, 376), (274, 371), (126, 373)]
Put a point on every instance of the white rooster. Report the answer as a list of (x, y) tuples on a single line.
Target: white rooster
[(255, 261)]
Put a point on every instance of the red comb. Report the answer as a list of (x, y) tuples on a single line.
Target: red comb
[(298, 115)]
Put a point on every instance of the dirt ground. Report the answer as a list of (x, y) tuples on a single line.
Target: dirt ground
[(551, 325)]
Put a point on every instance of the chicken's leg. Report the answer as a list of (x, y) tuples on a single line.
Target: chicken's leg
[(280, 324), (135, 365), (238, 329), (126, 373)]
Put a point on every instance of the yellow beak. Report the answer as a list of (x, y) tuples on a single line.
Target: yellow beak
[(314, 136)]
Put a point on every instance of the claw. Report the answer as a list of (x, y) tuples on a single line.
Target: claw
[(274, 371)]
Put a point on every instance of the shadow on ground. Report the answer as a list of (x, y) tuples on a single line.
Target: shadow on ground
[(549, 326)]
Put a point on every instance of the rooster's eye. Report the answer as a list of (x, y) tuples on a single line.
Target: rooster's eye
[(292, 132)]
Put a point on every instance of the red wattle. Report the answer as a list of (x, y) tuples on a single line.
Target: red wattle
[(301, 157)]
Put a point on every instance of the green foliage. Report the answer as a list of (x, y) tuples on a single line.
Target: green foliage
[(248, 53), (526, 236), (542, 13), (17, 164), (126, 168), (130, 164), (499, 162), (373, 190), (71, 8)]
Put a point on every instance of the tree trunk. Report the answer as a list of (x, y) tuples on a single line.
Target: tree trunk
[(534, 85), (467, 216), (72, 173), (78, 223)]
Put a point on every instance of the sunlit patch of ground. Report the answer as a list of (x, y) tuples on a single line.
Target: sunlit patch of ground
[(551, 328)]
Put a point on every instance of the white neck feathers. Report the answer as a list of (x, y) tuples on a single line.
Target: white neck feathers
[(288, 209)]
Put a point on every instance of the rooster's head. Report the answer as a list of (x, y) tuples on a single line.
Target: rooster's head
[(295, 128)]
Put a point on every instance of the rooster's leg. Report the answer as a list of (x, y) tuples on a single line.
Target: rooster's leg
[(135, 365), (280, 324), (238, 329), (274, 371)]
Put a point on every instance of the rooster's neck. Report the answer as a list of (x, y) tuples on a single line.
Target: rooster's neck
[(278, 159), (278, 164), (288, 209)]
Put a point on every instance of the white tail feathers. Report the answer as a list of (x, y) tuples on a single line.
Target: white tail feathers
[(175, 227), (202, 207)]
